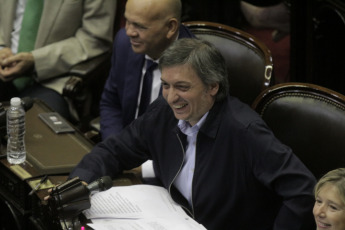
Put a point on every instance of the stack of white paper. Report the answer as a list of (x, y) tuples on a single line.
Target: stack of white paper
[(136, 207)]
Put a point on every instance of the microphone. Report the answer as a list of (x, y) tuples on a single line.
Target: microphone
[(72, 197), (101, 184), (2, 115), (27, 103), (3, 131)]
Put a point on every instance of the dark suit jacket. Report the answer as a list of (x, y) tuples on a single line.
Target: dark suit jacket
[(244, 177), (120, 96)]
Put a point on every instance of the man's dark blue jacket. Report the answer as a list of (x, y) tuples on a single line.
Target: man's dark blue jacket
[(244, 177)]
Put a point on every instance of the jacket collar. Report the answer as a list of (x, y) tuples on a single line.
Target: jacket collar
[(213, 120)]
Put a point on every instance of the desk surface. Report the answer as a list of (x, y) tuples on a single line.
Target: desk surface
[(54, 154), (48, 152)]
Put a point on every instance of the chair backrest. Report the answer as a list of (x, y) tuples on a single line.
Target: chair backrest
[(84, 88), (249, 61), (308, 118)]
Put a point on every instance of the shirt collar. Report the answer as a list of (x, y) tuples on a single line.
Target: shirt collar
[(147, 57), (187, 129)]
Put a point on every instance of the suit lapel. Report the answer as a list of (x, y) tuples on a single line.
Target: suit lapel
[(8, 11), (132, 83), (49, 14)]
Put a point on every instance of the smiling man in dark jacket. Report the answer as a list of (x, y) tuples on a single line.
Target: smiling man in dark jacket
[(215, 155)]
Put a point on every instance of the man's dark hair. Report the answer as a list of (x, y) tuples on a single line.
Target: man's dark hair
[(203, 57)]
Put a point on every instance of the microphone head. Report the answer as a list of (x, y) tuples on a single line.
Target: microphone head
[(106, 183), (27, 103), (2, 121), (101, 184)]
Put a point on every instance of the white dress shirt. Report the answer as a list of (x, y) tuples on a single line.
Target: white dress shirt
[(17, 24), (156, 83), (147, 167), (184, 179)]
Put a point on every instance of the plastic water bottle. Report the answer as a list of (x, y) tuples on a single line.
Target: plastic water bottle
[(16, 153)]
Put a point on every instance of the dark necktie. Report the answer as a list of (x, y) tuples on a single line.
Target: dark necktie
[(147, 86)]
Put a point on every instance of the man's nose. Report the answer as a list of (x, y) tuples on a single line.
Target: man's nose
[(130, 31), (170, 95)]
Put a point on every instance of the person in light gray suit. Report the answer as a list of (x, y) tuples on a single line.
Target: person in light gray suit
[(70, 32)]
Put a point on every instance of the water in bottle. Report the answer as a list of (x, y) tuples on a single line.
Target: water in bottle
[(16, 153)]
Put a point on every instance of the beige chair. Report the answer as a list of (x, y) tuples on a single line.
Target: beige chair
[(308, 118), (249, 60)]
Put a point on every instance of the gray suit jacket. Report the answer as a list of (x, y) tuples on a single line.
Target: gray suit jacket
[(70, 32)]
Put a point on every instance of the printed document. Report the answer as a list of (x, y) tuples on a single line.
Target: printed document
[(135, 207)]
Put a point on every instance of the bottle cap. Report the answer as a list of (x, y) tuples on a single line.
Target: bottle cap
[(16, 101)]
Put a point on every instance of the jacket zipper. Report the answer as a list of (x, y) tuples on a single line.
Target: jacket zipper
[(184, 155)]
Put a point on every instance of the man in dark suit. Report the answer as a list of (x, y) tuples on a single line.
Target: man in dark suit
[(215, 155), (151, 26)]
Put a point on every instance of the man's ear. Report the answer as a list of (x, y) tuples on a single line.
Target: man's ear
[(213, 88), (172, 27)]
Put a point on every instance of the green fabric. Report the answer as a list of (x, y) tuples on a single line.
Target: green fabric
[(27, 37)]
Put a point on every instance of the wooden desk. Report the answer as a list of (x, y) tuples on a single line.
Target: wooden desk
[(49, 154)]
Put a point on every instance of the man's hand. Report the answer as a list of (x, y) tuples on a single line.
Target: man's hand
[(5, 53), (13, 66)]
